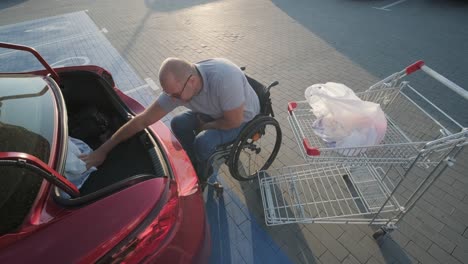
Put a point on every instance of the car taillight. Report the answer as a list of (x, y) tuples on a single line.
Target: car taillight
[(152, 238)]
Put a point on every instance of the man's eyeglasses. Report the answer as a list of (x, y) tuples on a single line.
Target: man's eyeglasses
[(177, 95)]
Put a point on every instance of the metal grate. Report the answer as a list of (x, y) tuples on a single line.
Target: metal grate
[(304, 194), (399, 146)]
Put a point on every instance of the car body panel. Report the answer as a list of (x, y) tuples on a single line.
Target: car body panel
[(192, 243), (88, 232)]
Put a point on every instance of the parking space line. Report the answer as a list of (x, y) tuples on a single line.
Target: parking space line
[(86, 45), (390, 5), (151, 84), (51, 42), (136, 89)]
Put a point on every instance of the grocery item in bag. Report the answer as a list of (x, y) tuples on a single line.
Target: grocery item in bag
[(75, 168), (343, 119)]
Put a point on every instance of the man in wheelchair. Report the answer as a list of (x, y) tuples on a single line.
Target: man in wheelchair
[(220, 101)]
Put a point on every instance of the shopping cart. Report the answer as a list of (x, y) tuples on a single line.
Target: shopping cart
[(375, 185)]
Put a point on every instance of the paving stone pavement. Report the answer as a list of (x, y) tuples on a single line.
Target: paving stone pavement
[(300, 43)]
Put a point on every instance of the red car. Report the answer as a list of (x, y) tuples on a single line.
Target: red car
[(144, 204)]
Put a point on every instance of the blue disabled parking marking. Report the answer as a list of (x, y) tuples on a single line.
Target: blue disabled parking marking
[(236, 236), (66, 40), (74, 39)]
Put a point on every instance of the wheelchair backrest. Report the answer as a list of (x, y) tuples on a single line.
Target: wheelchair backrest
[(263, 95)]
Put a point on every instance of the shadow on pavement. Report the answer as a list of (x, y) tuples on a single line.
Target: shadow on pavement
[(391, 251), (239, 233), (155, 6), (384, 42), (446, 3), (217, 219), (291, 235), (238, 236), (289, 238), (135, 35), (354, 26), (10, 3), (171, 5)]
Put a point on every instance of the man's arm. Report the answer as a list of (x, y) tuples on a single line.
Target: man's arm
[(133, 126), (231, 119)]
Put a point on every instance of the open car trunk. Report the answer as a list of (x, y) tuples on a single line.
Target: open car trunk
[(94, 113)]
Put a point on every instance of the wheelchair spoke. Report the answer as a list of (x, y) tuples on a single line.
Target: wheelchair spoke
[(256, 150)]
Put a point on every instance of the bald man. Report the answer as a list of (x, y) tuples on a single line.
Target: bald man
[(220, 102)]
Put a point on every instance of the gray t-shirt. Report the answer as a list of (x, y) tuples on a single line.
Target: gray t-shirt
[(225, 88)]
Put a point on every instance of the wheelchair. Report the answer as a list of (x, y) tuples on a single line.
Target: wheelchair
[(254, 149)]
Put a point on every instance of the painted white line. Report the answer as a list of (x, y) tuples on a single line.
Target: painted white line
[(392, 4), (50, 27), (104, 30), (382, 9), (152, 84), (52, 42), (136, 89), (71, 61), (149, 83)]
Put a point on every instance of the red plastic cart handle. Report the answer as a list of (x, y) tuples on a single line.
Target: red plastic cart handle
[(291, 106), (311, 151), (414, 67)]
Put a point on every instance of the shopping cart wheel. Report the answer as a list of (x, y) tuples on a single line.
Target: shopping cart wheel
[(379, 234)]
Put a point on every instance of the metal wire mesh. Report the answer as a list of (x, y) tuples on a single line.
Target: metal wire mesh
[(322, 194), (409, 128)]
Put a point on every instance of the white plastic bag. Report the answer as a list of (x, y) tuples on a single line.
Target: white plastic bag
[(343, 119), (75, 168)]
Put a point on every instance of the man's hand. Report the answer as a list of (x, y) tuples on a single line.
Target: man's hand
[(93, 159)]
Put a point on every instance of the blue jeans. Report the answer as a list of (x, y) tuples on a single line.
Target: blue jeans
[(200, 147)]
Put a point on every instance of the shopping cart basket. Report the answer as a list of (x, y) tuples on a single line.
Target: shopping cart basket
[(364, 185), (410, 128)]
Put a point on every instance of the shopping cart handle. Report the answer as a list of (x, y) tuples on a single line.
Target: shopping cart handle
[(414, 67), (291, 107), (310, 150)]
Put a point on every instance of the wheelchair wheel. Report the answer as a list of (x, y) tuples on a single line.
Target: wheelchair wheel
[(255, 149)]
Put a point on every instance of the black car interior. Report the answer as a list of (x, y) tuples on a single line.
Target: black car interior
[(94, 114)]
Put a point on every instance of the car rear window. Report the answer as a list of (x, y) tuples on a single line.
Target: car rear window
[(26, 109), (26, 125)]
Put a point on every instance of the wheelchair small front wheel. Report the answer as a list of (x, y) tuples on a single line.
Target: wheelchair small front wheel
[(255, 149)]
